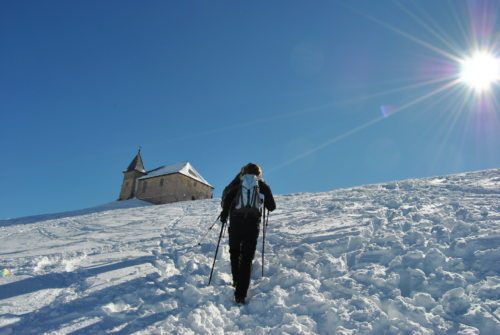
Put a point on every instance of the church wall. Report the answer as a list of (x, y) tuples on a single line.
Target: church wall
[(172, 188), (128, 185)]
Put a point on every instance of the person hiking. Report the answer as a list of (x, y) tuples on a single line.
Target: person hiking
[(242, 202)]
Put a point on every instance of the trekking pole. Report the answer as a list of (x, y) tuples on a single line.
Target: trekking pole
[(216, 251), (264, 227), (208, 231)]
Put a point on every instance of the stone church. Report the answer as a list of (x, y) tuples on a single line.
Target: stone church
[(166, 184)]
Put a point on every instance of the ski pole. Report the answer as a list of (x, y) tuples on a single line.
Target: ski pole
[(216, 251), (264, 227), (208, 231)]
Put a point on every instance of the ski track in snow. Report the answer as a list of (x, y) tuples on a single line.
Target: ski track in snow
[(409, 257)]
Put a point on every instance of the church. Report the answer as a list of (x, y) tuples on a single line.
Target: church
[(166, 184)]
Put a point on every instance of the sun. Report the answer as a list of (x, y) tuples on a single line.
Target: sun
[(480, 71)]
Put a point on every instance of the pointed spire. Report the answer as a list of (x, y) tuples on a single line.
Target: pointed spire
[(136, 163)]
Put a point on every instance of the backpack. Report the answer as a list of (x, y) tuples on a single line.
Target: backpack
[(248, 198)]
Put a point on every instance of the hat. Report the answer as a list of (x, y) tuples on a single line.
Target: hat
[(251, 168)]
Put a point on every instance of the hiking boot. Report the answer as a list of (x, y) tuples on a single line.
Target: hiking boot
[(239, 300)]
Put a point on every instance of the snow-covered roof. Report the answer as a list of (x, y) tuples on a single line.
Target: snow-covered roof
[(184, 168)]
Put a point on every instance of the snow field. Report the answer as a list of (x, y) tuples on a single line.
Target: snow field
[(408, 257)]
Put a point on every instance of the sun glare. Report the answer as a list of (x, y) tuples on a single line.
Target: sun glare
[(480, 71)]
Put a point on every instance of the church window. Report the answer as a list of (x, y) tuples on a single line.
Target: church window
[(144, 186), (161, 182)]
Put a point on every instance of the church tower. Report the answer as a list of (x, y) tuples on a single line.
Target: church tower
[(134, 171)]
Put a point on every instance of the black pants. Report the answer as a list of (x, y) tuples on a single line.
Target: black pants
[(243, 234)]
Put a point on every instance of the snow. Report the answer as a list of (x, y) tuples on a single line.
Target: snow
[(184, 168), (409, 257)]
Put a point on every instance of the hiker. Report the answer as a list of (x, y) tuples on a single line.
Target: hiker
[(244, 211)]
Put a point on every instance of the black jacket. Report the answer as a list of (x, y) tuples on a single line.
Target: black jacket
[(229, 195)]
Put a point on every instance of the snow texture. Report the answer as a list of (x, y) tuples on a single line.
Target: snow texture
[(408, 257)]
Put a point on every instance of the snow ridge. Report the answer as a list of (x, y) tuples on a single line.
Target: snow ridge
[(410, 257)]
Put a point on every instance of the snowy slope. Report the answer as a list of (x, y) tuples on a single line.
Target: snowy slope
[(409, 257)]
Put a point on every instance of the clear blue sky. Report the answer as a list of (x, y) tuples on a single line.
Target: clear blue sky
[(299, 87)]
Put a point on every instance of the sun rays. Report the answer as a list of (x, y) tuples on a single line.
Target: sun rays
[(471, 85), (465, 77)]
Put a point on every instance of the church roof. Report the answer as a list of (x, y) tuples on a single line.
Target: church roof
[(136, 164), (184, 168)]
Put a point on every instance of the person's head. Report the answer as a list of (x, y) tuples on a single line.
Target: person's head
[(251, 168)]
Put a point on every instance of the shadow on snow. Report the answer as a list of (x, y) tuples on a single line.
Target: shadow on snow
[(55, 316)]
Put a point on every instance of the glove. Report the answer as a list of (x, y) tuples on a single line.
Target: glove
[(223, 216)]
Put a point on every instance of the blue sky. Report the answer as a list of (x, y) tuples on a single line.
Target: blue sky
[(323, 95)]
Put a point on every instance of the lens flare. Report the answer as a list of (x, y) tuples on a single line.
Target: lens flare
[(480, 71), (388, 110)]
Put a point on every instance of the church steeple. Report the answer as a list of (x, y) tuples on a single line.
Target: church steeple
[(134, 171), (136, 164)]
